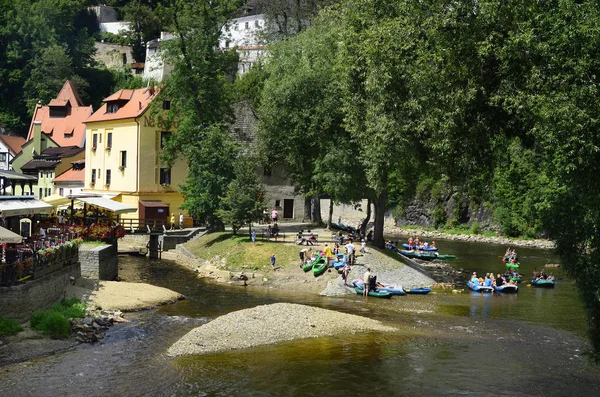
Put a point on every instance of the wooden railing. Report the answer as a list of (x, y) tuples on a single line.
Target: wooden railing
[(144, 225)]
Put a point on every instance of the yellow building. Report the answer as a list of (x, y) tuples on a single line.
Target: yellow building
[(122, 157)]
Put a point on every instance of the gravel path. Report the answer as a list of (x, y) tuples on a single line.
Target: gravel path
[(270, 324)]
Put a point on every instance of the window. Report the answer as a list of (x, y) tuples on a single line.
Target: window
[(108, 140), (267, 171), (108, 172), (123, 158), (112, 108), (2, 157), (227, 44), (246, 25), (277, 203), (41, 193), (237, 26), (164, 138), (165, 176), (124, 59), (93, 177), (94, 141), (166, 105), (61, 191)]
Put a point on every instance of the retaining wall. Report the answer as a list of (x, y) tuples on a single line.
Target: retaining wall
[(100, 263), (19, 301)]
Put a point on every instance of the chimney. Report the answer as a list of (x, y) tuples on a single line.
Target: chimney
[(37, 136)]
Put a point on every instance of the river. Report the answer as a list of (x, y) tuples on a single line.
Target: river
[(531, 343)]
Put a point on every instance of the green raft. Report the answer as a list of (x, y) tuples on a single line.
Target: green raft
[(440, 256), (373, 293), (309, 264), (418, 255), (319, 266), (512, 265)]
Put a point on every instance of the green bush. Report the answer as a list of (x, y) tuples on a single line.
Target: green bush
[(55, 322), (438, 215), (476, 228), (9, 327)]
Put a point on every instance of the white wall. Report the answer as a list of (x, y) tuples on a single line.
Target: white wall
[(114, 27)]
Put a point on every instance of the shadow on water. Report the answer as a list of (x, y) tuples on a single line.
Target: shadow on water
[(446, 344)]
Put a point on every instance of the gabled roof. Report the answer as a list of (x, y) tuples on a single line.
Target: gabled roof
[(13, 142), (65, 131), (137, 103), (71, 175)]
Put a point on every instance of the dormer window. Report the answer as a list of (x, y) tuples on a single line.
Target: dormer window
[(112, 108)]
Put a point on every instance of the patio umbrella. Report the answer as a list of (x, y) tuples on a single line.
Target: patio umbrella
[(6, 236)]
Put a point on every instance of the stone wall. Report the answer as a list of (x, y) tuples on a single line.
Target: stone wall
[(100, 263), (19, 301), (113, 56)]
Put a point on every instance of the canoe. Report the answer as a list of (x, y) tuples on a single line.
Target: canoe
[(375, 294), (507, 288), (543, 283), (307, 266), (421, 249), (319, 266), (419, 291), (443, 256), (340, 261), (479, 288), (512, 265), (418, 255)]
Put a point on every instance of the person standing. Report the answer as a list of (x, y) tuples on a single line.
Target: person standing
[(328, 253), (363, 246), (274, 215), (273, 261), (181, 220), (345, 272), (366, 278), (173, 221), (304, 255), (350, 252), (253, 236)]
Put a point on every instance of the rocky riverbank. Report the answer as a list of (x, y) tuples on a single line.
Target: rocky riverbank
[(473, 238), (270, 324)]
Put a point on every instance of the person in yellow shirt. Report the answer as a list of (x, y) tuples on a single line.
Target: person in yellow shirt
[(173, 221), (328, 253)]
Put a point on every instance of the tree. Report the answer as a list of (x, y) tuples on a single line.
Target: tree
[(144, 26), (199, 90), (244, 201)]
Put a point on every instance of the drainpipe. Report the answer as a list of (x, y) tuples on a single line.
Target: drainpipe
[(137, 162)]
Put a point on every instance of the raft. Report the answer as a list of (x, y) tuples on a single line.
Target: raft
[(375, 294), (479, 288), (319, 266), (427, 249), (307, 266), (340, 261), (443, 256), (507, 288), (418, 255), (391, 290), (512, 265), (543, 283), (418, 291)]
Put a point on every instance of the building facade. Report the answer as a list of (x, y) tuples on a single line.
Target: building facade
[(122, 158), (10, 146)]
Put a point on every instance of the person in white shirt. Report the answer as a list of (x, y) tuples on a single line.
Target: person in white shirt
[(350, 252), (181, 220)]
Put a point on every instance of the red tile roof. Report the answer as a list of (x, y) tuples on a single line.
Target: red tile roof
[(65, 131), (137, 103), (13, 142), (71, 175)]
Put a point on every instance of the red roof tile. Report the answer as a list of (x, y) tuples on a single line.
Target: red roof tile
[(135, 106), (13, 142), (65, 131), (71, 176)]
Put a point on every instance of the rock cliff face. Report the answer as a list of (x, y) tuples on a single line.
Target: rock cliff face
[(453, 208)]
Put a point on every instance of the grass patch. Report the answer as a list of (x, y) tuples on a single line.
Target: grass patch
[(55, 322), (241, 253), (9, 327)]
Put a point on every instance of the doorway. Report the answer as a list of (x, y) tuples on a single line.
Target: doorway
[(288, 208)]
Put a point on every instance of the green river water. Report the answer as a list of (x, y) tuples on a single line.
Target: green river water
[(531, 343)]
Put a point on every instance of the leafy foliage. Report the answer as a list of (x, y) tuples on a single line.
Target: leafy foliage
[(9, 327), (55, 322)]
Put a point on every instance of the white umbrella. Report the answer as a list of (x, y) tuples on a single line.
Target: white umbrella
[(6, 236)]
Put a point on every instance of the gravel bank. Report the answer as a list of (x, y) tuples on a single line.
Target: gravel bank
[(115, 295), (270, 324)]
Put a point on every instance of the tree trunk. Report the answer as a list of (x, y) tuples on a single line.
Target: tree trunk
[(330, 217), (315, 215), (363, 227), (379, 205), (306, 216), (250, 229)]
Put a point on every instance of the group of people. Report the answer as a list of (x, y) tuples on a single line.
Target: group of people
[(511, 256), (541, 275), (310, 238), (416, 244), (490, 280)]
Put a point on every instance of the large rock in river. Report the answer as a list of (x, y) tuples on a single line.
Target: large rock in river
[(269, 324)]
